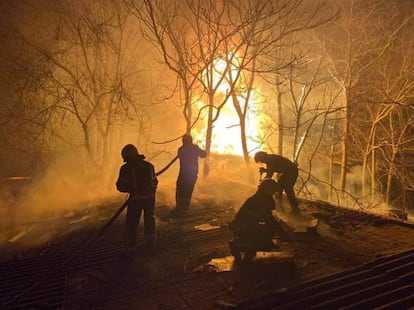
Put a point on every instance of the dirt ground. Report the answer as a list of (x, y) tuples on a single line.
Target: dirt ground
[(190, 270), (191, 266)]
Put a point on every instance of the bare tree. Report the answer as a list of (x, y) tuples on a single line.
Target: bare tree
[(219, 44), (281, 53), (399, 143), (23, 119), (89, 79), (164, 24), (311, 101), (356, 42), (392, 91), (387, 77)]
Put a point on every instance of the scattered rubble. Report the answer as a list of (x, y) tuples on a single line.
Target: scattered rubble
[(191, 267)]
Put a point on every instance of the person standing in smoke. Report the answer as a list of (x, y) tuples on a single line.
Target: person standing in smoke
[(188, 155), (288, 175), (137, 177)]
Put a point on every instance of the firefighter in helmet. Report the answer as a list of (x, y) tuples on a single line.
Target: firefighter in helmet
[(137, 177)]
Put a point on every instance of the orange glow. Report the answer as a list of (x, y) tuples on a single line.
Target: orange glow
[(226, 130), (226, 137)]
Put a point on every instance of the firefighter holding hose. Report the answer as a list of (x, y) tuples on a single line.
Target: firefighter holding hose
[(188, 154), (137, 177)]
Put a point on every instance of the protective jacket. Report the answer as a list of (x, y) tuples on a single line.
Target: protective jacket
[(276, 163), (188, 155), (137, 177), (289, 174), (256, 209), (254, 223)]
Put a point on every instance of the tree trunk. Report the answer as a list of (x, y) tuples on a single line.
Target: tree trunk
[(364, 173), (331, 165), (209, 133), (389, 179), (280, 119), (373, 171), (344, 146)]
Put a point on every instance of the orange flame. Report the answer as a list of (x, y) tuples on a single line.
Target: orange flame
[(226, 137)]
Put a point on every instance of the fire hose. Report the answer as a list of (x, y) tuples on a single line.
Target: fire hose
[(87, 243), (167, 166), (76, 253)]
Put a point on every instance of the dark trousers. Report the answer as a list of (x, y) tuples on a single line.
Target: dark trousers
[(134, 211), (287, 183), (184, 191)]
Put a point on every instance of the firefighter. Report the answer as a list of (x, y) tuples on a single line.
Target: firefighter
[(137, 177), (254, 226), (288, 171), (188, 155)]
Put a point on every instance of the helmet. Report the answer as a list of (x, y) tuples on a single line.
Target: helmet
[(259, 156), (129, 151), (269, 186), (187, 139)]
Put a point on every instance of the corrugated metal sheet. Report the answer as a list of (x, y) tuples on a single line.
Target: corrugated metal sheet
[(384, 283), (40, 281)]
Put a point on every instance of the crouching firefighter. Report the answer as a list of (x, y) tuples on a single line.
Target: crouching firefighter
[(254, 226), (137, 177)]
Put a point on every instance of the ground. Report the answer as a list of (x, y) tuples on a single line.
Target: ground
[(191, 266)]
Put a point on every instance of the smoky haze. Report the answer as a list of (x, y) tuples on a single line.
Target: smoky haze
[(82, 79), (61, 201)]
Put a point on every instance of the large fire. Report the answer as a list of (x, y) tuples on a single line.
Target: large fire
[(226, 131), (226, 138)]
